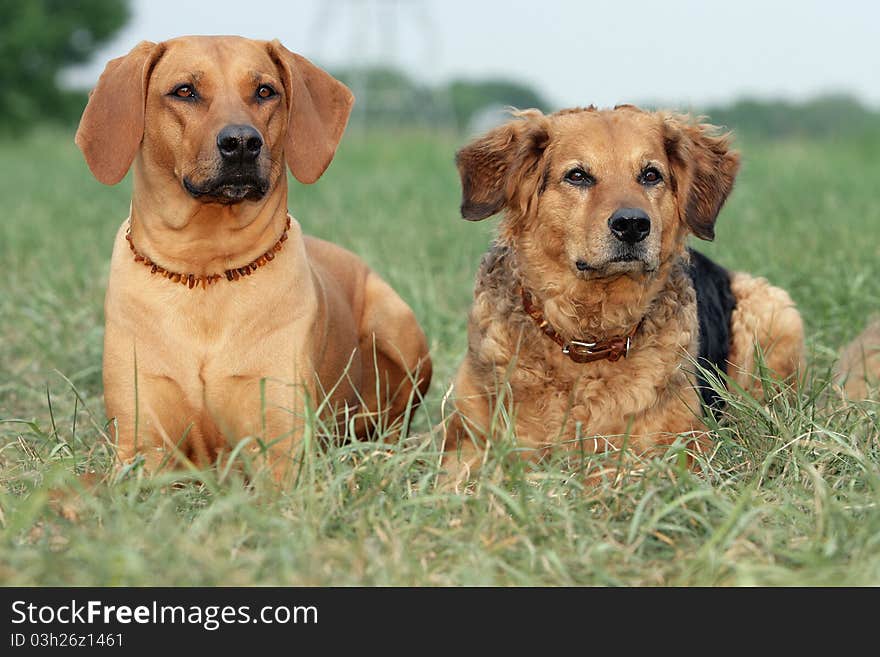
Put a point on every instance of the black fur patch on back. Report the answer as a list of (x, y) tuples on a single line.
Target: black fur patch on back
[(715, 305)]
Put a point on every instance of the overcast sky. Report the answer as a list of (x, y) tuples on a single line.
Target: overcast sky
[(576, 52)]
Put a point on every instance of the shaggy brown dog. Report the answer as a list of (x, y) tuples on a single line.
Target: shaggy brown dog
[(590, 263), (222, 319)]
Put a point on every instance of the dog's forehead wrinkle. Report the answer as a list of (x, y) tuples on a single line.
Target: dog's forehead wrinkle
[(226, 58), (173, 69)]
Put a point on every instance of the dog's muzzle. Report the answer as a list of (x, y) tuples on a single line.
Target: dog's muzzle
[(231, 187), (238, 176)]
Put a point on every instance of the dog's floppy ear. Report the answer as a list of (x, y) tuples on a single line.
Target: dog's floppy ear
[(318, 107), (704, 169), (497, 168), (112, 125)]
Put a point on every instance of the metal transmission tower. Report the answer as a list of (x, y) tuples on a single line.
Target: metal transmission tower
[(389, 35)]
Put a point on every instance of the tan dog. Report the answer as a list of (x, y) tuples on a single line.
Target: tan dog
[(222, 319), (589, 311), (858, 369)]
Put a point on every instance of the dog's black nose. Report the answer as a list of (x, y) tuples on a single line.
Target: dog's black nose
[(630, 225), (239, 142)]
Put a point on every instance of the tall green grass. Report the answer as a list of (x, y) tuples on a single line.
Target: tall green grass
[(788, 496)]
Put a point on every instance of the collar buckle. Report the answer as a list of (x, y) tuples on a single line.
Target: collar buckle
[(580, 351)]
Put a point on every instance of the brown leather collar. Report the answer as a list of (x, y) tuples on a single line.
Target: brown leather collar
[(612, 349)]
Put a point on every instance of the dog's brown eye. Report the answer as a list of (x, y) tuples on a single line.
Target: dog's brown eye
[(650, 176), (184, 91), (265, 91), (579, 177)]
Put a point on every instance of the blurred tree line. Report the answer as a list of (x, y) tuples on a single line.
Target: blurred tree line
[(40, 38), (389, 97), (832, 115)]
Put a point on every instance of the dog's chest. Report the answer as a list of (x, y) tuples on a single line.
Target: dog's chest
[(556, 399), (213, 359), (597, 398)]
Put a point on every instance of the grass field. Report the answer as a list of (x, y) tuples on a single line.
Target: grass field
[(791, 496)]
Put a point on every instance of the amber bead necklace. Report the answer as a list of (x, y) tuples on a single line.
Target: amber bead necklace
[(193, 280)]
